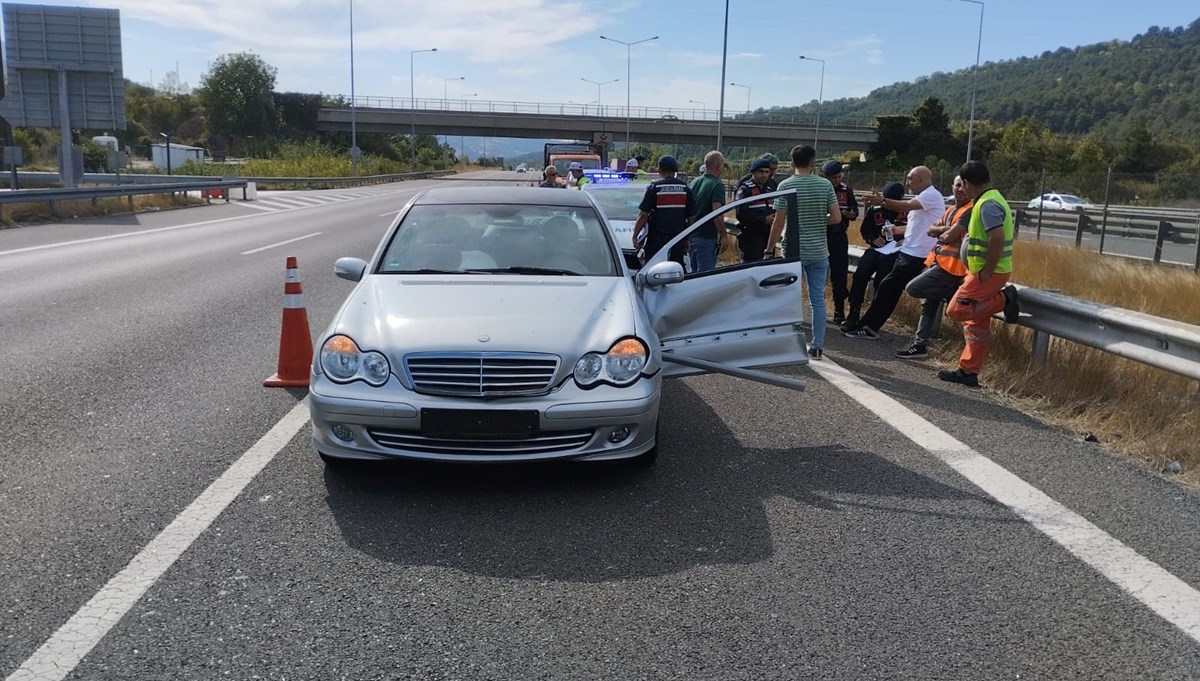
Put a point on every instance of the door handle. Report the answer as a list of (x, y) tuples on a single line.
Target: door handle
[(783, 279)]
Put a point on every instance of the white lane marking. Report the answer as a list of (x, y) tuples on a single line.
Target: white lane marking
[(43, 247), (254, 205), (281, 243), (1168, 596), (59, 655)]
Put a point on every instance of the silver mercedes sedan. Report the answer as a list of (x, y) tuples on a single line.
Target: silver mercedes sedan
[(502, 324)]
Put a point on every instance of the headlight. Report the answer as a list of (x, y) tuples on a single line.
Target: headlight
[(621, 365), (342, 362)]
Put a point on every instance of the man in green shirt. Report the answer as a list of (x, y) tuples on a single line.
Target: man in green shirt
[(710, 195), (817, 207)]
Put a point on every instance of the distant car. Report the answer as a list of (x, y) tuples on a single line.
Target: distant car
[(1056, 201), (619, 196), (499, 324), (522, 168)]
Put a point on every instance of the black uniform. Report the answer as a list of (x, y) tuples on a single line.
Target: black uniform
[(839, 249), (668, 202), (753, 220)]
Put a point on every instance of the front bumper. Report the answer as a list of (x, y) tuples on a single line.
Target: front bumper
[(573, 423)]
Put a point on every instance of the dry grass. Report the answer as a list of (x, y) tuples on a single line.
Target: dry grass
[(33, 213), (1145, 413)]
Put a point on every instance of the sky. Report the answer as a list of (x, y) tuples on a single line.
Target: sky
[(541, 50)]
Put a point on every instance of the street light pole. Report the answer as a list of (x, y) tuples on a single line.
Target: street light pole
[(412, 89), (354, 152), (598, 86), (724, 54), (820, 99), (747, 95), (974, 77), (446, 89), (628, 77)]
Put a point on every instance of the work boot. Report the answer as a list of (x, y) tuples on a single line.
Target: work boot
[(959, 376), (851, 322), (839, 316), (1012, 307)]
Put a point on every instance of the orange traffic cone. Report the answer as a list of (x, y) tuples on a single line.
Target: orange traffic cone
[(295, 342)]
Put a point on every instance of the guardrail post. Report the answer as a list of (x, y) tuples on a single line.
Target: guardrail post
[(1018, 219), (1081, 225), (1164, 228), (1196, 263), (1041, 348)]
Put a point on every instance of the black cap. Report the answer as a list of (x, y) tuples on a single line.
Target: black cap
[(893, 190), (760, 164), (831, 168), (668, 163)]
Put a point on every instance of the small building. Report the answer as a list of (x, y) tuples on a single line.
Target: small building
[(180, 153)]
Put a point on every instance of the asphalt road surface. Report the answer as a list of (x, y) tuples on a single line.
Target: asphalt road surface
[(164, 516)]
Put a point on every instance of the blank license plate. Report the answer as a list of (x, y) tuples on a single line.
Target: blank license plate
[(479, 423)]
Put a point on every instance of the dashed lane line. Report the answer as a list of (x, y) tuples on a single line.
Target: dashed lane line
[(282, 243)]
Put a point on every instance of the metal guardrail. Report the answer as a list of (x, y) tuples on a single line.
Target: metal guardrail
[(1161, 343), (50, 196), (141, 178)]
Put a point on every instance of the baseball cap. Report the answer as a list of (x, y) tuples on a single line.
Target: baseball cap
[(760, 164), (831, 168), (631, 163), (668, 163), (576, 165), (893, 190)]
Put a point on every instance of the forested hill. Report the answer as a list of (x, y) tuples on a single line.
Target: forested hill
[(1154, 78)]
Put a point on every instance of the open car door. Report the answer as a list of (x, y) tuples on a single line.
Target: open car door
[(729, 320)]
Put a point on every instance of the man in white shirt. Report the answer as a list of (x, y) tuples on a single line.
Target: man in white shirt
[(924, 209)]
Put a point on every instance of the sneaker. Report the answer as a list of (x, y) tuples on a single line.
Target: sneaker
[(913, 351), (815, 353), (861, 332), (959, 376), (1012, 307), (838, 319)]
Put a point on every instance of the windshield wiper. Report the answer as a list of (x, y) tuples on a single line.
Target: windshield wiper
[(529, 270), (432, 271)]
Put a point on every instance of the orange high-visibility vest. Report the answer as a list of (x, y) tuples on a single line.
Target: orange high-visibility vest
[(947, 256)]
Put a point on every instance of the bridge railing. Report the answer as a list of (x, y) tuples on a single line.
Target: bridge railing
[(665, 114)]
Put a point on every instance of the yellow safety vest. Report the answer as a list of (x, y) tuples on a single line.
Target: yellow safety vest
[(977, 236)]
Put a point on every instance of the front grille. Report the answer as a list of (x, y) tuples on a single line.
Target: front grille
[(481, 374), (546, 443)]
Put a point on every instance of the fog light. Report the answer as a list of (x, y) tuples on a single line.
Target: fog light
[(343, 433), (619, 435)]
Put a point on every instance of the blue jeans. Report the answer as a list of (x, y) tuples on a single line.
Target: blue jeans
[(816, 272), (703, 254)]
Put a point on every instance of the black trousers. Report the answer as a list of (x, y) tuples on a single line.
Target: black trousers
[(839, 265), (888, 293), (655, 243), (871, 265), (752, 242)]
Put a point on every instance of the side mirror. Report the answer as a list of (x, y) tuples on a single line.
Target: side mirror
[(351, 269), (661, 274)]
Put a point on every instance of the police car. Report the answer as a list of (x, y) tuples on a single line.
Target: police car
[(619, 194)]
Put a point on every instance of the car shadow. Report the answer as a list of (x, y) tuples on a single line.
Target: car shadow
[(703, 504)]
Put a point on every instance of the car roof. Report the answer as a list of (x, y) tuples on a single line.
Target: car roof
[(543, 196)]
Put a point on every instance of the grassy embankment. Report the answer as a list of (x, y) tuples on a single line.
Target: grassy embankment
[(32, 213)]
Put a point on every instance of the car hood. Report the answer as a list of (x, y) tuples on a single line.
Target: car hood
[(623, 233), (565, 316)]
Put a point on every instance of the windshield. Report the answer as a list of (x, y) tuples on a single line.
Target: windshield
[(618, 203), (490, 238), (564, 164)]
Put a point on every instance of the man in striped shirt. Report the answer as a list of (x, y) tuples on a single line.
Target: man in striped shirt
[(817, 208)]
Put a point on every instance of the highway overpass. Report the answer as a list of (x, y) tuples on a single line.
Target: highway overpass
[(600, 128)]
